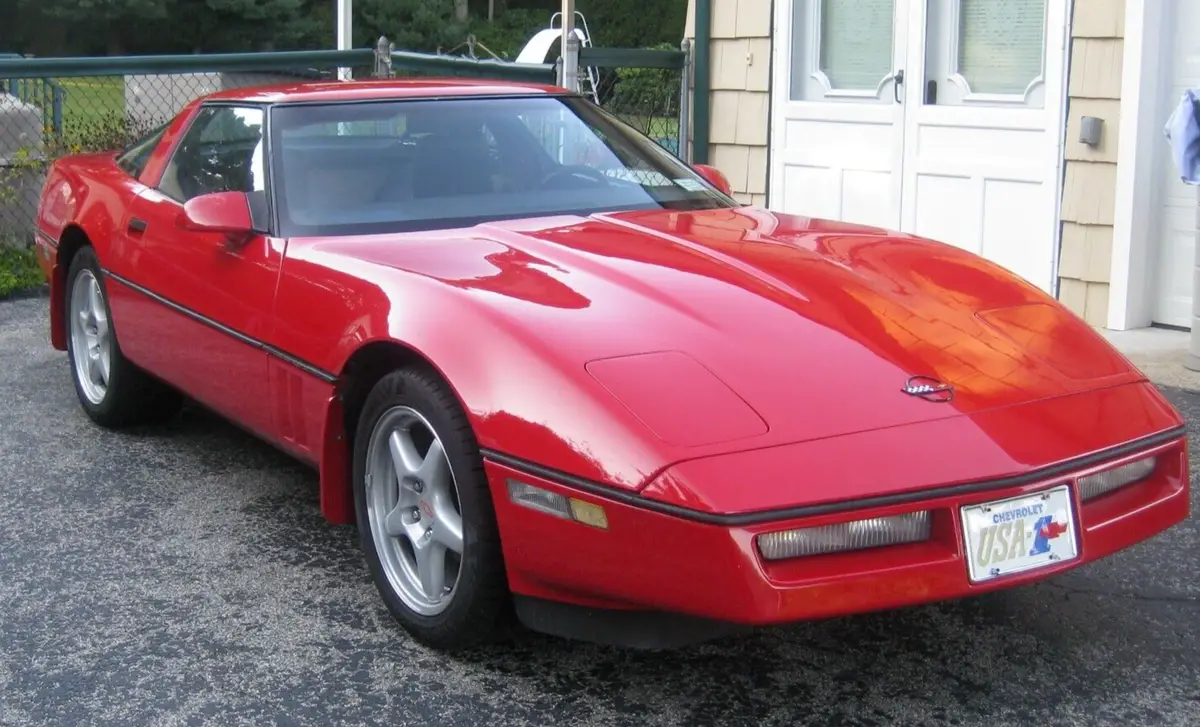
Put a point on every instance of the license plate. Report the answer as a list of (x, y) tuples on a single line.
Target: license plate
[(1019, 534)]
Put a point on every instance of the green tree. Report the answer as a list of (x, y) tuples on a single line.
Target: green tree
[(416, 25), (615, 23), (96, 27), (211, 26), (109, 22)]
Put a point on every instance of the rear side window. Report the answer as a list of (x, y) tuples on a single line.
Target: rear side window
[(135, 157)]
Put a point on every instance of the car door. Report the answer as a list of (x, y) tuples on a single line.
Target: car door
[(204, 304)]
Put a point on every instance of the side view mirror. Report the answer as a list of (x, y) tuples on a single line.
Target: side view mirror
[(226, 213), (713, 176)]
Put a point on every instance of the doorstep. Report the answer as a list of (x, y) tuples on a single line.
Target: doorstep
[(1161, 353)]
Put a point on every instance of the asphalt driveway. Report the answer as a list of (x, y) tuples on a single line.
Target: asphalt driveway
[(185, 577)]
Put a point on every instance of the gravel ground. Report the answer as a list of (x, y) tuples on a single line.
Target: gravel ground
[(184, 577)]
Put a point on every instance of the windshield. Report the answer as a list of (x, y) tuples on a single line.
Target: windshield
[(390, 166)]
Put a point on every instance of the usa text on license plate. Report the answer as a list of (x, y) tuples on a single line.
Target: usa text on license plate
[(1019, 534)]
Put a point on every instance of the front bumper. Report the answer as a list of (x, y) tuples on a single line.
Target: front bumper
[(652, 562)]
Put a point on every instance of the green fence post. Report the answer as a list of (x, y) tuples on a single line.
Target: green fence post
[(700, 94)]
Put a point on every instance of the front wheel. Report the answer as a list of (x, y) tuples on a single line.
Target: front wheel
[(425, 514), (112, 390)]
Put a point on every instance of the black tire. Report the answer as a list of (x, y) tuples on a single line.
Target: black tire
[(132, 397), (481, 609)]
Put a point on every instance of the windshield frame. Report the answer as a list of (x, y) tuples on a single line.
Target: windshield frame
[(586, 113)]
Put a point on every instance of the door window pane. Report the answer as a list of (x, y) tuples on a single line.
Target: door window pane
[(222, 151), (1001, 43), (135, 157), (856, 42)]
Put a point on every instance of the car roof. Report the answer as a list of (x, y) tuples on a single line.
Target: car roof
[(380, 89)]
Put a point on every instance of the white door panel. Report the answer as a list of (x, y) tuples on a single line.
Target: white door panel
[(1177, 244), (983, 136), (1017, 222), (974, 164), (1177, 224), (837, 144)]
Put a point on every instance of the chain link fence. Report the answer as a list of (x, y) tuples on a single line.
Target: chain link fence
[(644, 88), (54, 107), (50, 108)]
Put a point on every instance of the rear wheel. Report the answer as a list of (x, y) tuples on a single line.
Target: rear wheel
[(425, 514), (111, 389)]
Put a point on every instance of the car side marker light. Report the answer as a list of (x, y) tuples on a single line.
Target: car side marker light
[(552, 503)]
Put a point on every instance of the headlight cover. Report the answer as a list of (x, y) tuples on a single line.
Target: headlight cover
[(1102, 483), (873, 532)]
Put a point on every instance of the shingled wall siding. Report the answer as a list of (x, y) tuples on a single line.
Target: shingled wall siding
[(740, 98), (1090, 181)]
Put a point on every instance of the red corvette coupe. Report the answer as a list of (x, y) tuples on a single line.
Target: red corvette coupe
[(554, 373)]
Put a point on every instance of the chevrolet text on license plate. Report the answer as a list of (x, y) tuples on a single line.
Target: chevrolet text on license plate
[(1019, 534)]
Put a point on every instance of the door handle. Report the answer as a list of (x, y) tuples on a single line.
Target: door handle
[(137, 224), (897, 82)]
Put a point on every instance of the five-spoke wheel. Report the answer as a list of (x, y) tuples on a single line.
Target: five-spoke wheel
[(425, 513), (90, 339), (413, 507)]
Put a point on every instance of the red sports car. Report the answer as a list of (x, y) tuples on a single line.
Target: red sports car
[(553, 372)]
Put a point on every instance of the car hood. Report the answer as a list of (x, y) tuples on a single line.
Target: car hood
[(743, 328)]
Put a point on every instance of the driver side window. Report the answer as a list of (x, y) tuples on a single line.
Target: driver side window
[(222, 151)]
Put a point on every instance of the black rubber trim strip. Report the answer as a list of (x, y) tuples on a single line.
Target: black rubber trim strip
[(47, 239), (764, 516), (282, 355)]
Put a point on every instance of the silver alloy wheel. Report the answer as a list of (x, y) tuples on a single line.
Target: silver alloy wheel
[(91, 336), (413, 509)]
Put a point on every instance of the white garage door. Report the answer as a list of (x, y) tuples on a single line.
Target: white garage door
[(938, 117), (1177, 224)]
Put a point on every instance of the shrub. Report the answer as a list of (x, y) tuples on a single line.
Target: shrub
[(509, 33), (104, 133), (19, 270), (647, 91)]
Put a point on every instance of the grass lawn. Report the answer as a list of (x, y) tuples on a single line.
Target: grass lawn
[(92, 98), (93, 113), (19, 270)]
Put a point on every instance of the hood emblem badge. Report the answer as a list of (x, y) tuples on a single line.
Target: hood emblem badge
[(929, 389)]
